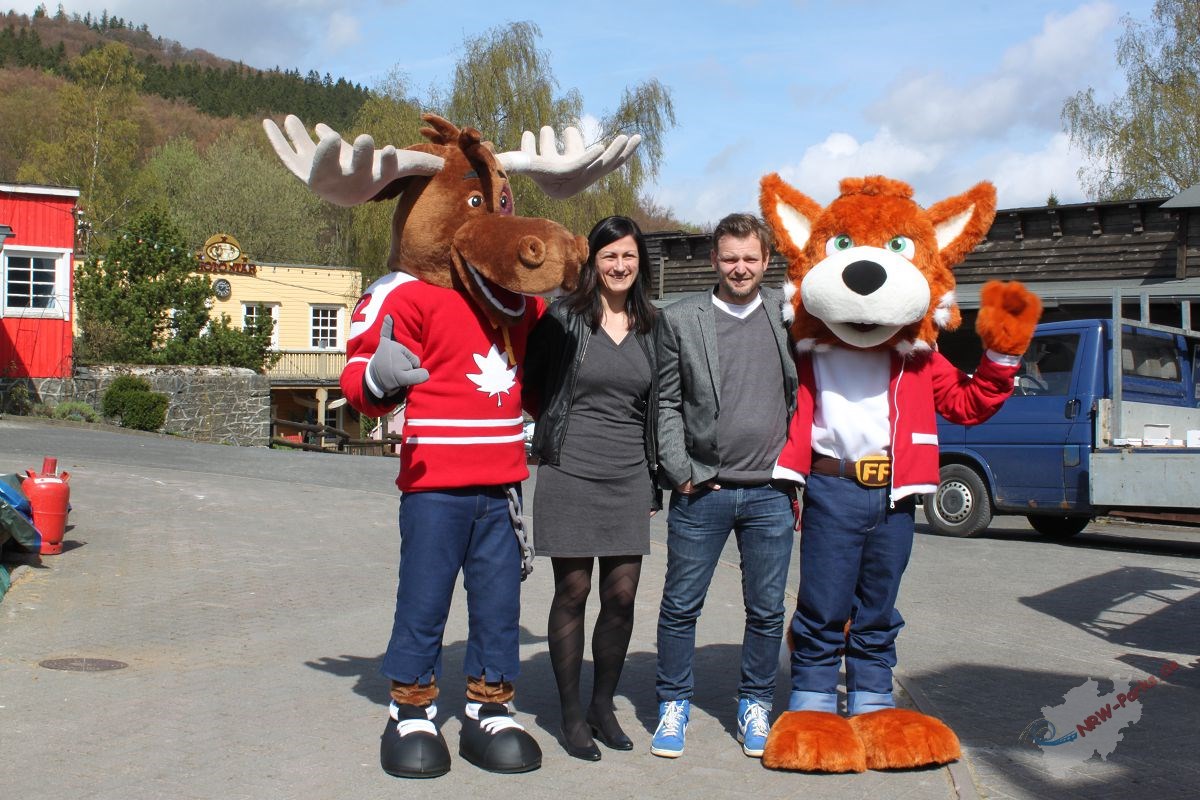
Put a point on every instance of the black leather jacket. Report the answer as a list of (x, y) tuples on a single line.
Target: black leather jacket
[(552, 357)]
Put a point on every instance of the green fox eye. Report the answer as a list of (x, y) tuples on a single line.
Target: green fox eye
[(838, 243), (901, 245)]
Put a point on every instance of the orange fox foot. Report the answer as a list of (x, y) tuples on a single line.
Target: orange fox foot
[(897, 738), (814, 741)]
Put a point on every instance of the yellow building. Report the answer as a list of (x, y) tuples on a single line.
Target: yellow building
[(311, 307)]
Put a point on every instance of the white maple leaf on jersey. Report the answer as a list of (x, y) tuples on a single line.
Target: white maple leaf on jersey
[(495, 376)]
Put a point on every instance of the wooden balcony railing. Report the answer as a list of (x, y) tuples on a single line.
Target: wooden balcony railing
[(308, 365)]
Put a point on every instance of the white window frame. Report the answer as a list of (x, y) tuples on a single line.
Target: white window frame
[(339, 341), (60, 303), (273, 309)]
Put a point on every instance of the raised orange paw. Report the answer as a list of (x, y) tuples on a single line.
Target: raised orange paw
[(898, 738), (1008, 313), (814, 741)]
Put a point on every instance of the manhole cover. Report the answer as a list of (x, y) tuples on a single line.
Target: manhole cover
[(83, 664)]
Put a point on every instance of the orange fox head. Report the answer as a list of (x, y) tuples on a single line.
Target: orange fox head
[(872, 270)]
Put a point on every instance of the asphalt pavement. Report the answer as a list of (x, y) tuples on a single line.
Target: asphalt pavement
[(221, 614)]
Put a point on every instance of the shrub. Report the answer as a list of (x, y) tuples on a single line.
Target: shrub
[(114, 397), (130, 398), (144, 411), (76, 410), (20, 400)]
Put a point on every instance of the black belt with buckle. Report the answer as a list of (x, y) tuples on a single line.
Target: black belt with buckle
[(872, 472)]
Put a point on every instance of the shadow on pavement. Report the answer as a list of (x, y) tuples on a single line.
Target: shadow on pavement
[(1139, 607), (990, 706)]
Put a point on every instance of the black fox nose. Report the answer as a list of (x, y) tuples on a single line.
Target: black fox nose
[(864, 277)]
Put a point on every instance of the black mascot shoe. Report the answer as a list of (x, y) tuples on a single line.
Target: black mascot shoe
[(411, 745), (496, 742)]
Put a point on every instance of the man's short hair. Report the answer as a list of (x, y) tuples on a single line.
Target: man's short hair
[(742, 226)]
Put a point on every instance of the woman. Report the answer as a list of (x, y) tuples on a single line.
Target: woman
[(591, 371)]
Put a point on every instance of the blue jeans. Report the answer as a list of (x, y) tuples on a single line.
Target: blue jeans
[(697, 528), (853, 550), (442, 533)]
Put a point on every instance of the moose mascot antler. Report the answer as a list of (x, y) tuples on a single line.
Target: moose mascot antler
[(871, 285), (445, 332)]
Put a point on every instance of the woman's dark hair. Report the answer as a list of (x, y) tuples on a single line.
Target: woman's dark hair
[(585, 300)]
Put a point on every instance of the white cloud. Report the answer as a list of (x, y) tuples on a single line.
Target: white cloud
[(589, 128), (1027, 179), (841, 155), (1026, 90), (341, 31)]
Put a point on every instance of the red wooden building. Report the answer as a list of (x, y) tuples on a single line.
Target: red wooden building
[(37, 248)]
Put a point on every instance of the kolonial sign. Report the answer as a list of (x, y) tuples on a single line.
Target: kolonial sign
[(223, 254)]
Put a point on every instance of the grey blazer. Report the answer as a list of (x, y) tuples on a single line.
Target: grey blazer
[(689, 384)]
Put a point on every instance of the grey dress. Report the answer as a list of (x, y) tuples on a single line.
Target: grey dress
[(596, 501)]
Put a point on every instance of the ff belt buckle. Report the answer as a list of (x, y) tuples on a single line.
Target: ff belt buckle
[(873, 471)]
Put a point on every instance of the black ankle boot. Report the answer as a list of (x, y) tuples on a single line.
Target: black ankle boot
[(607, 730), (411, 745), (584, 752)]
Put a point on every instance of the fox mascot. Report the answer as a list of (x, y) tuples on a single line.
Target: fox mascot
[(871, 284)]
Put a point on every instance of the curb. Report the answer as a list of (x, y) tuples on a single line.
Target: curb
[(960, 771)]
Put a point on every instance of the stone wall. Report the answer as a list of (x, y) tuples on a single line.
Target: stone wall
[(228, 405)]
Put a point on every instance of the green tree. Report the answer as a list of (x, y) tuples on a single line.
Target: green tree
[(141, 304), (1145, 142), (391, 117), (236, 187), (504, 84), (98, 135)]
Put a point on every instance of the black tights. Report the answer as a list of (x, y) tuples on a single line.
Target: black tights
[(610, 640)]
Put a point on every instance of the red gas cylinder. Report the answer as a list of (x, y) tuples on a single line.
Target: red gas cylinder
[(49, 496)]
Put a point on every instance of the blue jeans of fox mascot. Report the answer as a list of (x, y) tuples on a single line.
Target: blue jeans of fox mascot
[(859, 546)]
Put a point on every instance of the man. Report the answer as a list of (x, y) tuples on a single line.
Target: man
[(727, 390)]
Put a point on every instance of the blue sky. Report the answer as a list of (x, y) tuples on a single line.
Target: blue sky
[(940, 94)]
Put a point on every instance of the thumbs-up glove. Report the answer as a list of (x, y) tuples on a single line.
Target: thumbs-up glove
[(393, 368)]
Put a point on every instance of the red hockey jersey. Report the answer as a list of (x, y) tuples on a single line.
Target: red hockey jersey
[(462, 427)]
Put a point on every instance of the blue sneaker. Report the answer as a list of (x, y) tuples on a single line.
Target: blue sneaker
[(754, 724), (672, 726)]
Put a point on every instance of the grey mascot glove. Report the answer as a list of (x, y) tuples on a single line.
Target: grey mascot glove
[(393, 368)]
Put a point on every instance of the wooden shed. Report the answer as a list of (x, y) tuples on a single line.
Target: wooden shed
[(37, 254)]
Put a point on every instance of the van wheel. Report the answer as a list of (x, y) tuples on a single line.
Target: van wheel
[(1057, 527), (961, 505)]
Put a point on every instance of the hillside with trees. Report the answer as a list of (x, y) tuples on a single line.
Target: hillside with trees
[(142, 124)]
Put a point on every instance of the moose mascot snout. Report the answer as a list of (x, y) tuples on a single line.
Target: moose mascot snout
[(870, 283)]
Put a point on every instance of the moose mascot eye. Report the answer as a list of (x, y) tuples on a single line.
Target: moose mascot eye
[(475, 200)]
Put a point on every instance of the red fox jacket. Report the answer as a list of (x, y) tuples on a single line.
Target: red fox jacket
[(462, 427), (921, 387)]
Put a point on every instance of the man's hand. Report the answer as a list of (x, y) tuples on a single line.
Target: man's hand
[(393, 367), (687, 487)]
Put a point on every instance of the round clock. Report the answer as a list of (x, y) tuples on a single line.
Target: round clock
[(222, 289)]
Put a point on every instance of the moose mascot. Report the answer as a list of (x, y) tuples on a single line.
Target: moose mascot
[(444, 332), (870, 285)]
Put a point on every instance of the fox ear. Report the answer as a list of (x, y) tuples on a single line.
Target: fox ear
[(962, 221), (790, 214)]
